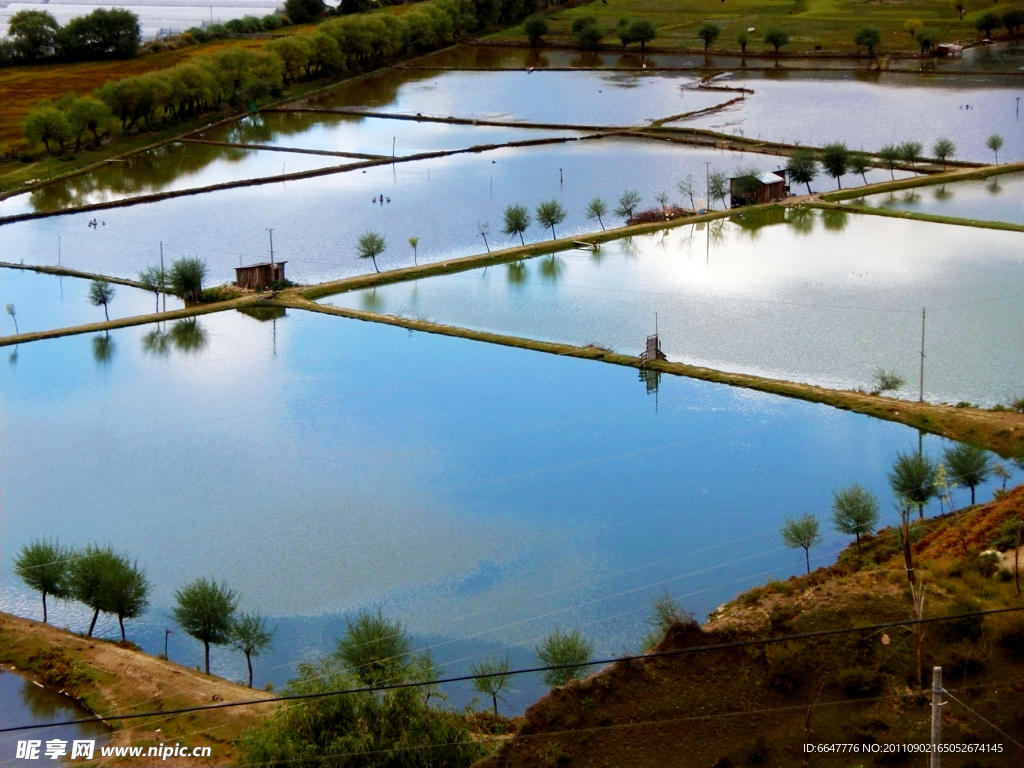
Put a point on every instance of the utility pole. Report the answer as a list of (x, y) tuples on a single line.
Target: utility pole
[(559, 177), (166, 633), (707, 185), (936, 760), (920, 396), (162, 284), (393, 147), (271, 231)]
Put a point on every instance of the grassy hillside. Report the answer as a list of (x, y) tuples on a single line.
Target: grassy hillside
[(750, 706), (830, 24)]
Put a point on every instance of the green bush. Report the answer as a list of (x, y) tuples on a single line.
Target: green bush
[(788, 667), (860, 682)]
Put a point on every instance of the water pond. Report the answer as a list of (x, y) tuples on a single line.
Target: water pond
[(23, 702), (998, 198), (796, 295), (484, 495)]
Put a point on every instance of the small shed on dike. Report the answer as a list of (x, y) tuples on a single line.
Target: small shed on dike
[(259, 277), (764, 188)]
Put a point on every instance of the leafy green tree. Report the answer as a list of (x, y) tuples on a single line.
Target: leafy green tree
[(44, 566), (596, 209), (641, 31), (743, 38), (206, 611), (185, 278), (251, 636), (708, 32), (718, 187), (969, 465), (943, 150), (91, 574), (586, 31), (425, 670), (1013, 20), (369, 246), (801, 533), (101, 293), (628, 201), (859, 163), (890, 157), (376, 649), (910, 152), (911, 26), (45, 123), (496, 680), (304, 11), (127, 591), (622, 32), (835, 159), (84, 113), (987, 22), (667, 613), (868, 37), (685, 187), (155, 280), (14, 316), (886, 381), (746, 182), (33, 33), (535, 28), (927, 38), (568, 650), (777, 38), (103, 33), (517, 219), (414, 243), (995, 143), (912, 479), (855, 511), (549, 213)]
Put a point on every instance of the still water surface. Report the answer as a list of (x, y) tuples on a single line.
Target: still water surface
[(825, 298), (999, 198), (484, 495)]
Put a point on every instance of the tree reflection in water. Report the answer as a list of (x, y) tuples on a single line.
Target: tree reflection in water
[(517, 272), (188, 336), (551, 267), (103, 348), (835, 221)]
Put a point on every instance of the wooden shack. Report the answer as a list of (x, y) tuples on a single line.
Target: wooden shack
[(653, 350), (763, 188), (258, 277)]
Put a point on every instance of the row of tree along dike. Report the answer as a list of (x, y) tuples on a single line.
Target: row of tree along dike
[(238, 77), (34, 36)]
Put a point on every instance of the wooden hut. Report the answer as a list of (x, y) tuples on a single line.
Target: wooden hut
[(258, 277), (763, 188)]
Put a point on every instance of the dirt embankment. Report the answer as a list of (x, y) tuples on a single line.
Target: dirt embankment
[(110, 681)]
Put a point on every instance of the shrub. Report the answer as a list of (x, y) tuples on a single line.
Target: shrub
[(1008, 629), (586, 32), (787, 666), (219, 293), (1005, 536), (969, 629), (860, 682)]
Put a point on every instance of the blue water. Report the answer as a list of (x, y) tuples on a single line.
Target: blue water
[(999, 198), (484, 495)]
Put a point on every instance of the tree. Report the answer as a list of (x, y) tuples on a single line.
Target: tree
[(517, 219), (596, 209), (375, 649), (369, 246), (801, 533), (84, 113), (44, 567), (495, 682), (90, 579), (206, 611), (744, 40), (745, 183), (886, 381), (33, 33), (890, 156), (549, 213), (718, 187), (641, 31), (586, 31), (155, 280), (251, 636), (414, 242), (564, 648), (912, 479), (128, 591), (969, 465), (910, 26), (987, 22), (668, 613), (535, 28), (910, 152), (854, 511), (868, 37), (927, 38), (802, 167), (484, 229), (304, 11), (628, 201), (943, 150), (14, 316), (835, 159), (776, 37), (1013, 20), (995, 143), (46, 123), (185, 278), (101, 293), (103, 33), (685, 187), (859, 163)]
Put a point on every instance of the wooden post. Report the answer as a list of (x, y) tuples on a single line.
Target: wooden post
[(920, 397), (936, 760), (1016, 559), (164, 287)]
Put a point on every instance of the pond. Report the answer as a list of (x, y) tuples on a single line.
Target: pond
[(869, 110), (795, 295), (23, 702), (998, 198), (317, 221), (483, 495)]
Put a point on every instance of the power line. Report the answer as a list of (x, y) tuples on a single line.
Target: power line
[(528, 670)]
